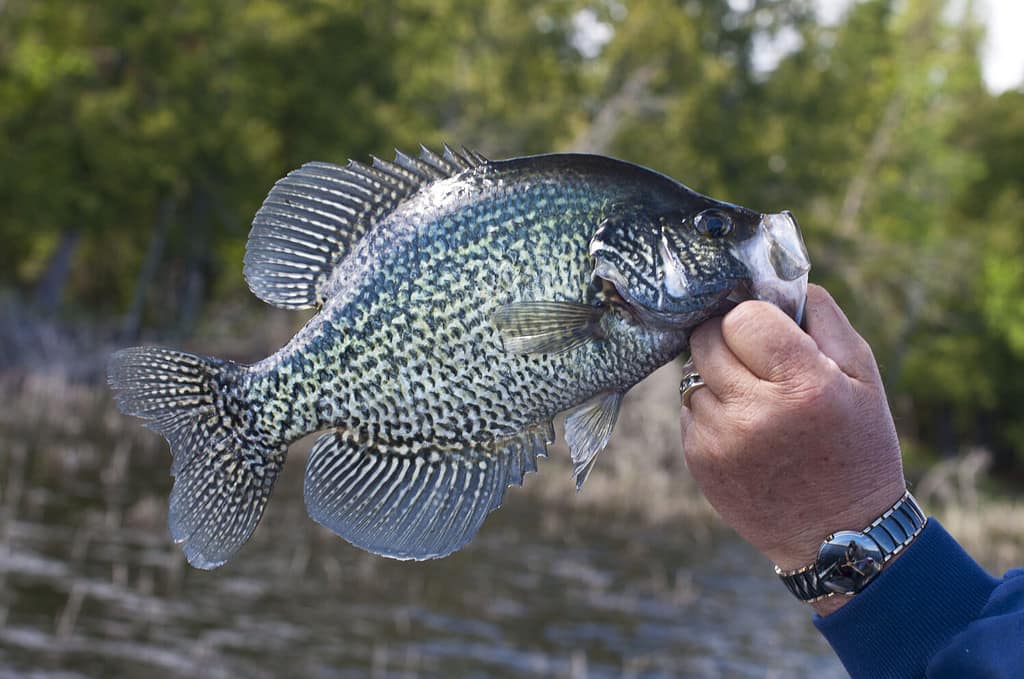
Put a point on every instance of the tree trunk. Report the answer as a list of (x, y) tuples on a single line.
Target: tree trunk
[(197, 265), (632, 97), (53, 283), (132, 324)]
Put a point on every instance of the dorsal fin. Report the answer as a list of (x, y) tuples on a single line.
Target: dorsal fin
[(313, 217)]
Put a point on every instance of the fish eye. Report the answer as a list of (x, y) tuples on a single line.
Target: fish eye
[(713, 223)]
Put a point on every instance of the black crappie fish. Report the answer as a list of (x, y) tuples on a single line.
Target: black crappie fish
[(463, 303)]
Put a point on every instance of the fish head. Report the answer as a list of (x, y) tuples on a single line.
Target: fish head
[(680, 267)]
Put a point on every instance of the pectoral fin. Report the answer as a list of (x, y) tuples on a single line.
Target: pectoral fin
[(547, 327), (587, 431)]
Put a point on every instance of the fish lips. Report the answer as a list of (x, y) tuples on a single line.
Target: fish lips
[(778, 264)]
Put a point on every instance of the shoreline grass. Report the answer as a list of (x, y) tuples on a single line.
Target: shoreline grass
[(64, 433)]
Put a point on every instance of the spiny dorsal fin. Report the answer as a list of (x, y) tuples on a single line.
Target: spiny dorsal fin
[(313, 217), (414, 504), (587, 431)]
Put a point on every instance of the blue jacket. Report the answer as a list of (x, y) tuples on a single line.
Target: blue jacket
[(932, 613)]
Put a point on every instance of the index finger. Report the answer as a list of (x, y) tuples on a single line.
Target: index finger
[(769, 343), (723, 373)]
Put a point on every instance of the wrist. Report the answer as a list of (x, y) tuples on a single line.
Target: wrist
[(833, 603), (920, 604), (824, 607), (848, 561), (801, 548), (830, 605)]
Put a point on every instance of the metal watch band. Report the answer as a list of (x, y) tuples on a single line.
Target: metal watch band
[(898, 527), (803, 583), (890, 533)]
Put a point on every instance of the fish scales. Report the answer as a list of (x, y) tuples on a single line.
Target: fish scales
[(373, 340), (463, 304)]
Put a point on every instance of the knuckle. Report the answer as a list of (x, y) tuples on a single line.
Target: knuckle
[(822, 389), (814, 391), (737, 391), (698, 446), (789, 361), (865, 356), (817, 395), (744, 319), (750, 423)]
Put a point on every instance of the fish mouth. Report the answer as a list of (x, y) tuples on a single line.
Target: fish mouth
[(777, 261)]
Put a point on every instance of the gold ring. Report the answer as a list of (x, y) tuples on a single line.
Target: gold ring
[(692, 381)]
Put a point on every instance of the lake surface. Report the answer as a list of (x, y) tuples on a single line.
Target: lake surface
[(90, 586)]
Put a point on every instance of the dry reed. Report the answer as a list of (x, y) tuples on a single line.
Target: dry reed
[(65, 427)]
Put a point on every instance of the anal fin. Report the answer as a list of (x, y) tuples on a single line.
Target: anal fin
[(413, 504), (587, 431), (547, 327)]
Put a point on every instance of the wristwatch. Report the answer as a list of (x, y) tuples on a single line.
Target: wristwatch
[(849, 560)]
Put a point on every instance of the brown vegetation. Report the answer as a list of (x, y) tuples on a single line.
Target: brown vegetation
[(59, 432)]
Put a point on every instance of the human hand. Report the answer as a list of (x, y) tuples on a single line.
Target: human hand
[(792, 439)]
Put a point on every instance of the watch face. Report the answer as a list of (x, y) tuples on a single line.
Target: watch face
[(848, 561)]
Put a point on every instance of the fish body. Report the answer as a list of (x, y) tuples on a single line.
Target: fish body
[(463, 303)]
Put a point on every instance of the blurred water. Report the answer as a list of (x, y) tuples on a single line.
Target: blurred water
[(90, 586)]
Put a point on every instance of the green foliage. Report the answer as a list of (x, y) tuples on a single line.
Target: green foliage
[(153, 131)]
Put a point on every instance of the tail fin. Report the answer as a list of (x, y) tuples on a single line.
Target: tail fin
[(224, 470)]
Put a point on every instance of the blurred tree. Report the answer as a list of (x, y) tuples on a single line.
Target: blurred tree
[(970, 370), (501, 76), (157, 129), (41, 146), (138, 139), (694, 97)]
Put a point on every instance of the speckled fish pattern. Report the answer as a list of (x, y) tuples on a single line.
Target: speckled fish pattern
[(458, 313)]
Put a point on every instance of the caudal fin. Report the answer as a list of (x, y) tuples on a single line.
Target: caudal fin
[(224, 471)]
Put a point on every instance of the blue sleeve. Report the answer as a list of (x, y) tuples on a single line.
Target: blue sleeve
[(934, 613)]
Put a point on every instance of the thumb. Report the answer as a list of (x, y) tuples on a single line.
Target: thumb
[(836, 337)]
